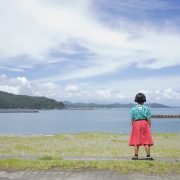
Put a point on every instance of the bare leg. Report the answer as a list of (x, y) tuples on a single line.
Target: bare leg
[(136, 150), (147, 149), (148, 157)]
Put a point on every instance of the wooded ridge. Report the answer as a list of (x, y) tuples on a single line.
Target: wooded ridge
[(12, 101)]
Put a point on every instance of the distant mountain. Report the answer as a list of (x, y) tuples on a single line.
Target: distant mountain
[(12, 101), (155, 105), (114, 105)]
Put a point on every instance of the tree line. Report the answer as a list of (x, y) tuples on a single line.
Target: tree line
[(11, 101)]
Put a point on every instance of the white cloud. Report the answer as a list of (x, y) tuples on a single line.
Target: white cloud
[(146, 84), (109, 94), (47, 89), (161, 48), (19, 85), (171, 94), (71, 88), (33, 28), (84, 93)]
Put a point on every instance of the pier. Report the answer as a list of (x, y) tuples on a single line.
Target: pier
[(18, 111), (166, 116)]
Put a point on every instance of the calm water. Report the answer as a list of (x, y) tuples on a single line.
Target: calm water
[(75, 121)]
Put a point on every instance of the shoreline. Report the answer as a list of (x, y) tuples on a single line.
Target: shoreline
[(19, 111), (78, 133)]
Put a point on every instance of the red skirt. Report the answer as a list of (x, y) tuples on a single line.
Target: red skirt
[(140, 134)]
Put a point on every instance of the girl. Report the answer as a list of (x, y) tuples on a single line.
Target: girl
[(141, 123)]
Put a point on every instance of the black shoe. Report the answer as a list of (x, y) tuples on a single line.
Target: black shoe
[(149, 158), (135, 158)]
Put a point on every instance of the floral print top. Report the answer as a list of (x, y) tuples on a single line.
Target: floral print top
[(140, 112)]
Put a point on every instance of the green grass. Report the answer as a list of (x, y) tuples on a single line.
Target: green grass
[(146, 167), (50, 149), (86, 144)]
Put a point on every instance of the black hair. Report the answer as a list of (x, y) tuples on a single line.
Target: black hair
[(140, 98)]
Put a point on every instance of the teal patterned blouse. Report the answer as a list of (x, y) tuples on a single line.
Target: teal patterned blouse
[(140, 112)]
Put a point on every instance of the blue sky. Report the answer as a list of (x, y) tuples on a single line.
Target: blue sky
[(91, 51)]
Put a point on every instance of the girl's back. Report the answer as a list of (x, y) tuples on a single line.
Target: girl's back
[(140, 112)]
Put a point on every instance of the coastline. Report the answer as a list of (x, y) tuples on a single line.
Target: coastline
[(19, 111)]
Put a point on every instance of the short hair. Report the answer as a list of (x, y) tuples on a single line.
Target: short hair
[(140, 98)]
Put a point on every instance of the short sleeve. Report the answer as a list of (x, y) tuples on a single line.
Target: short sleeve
[(132, 113), (148, 113)]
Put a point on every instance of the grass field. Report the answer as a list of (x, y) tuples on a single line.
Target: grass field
[(50, 149)]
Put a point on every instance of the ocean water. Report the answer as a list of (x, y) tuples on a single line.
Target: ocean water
[(76, 121)]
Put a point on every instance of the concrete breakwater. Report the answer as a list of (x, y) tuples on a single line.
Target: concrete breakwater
[(18, 111), (166, 116)]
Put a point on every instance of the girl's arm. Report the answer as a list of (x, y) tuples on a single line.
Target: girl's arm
[(132, 120), (149, 114), (149, 121), (132, 116)]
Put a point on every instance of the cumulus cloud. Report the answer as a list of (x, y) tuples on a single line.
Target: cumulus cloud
[(109, 94), (171, 94), (71, 88), (75, 92), (47, 89), (15, 85)]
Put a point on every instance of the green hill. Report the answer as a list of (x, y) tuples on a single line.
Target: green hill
[(114, 105), (12, 101)]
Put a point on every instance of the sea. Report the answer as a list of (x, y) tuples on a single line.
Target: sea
[(48, 122)]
